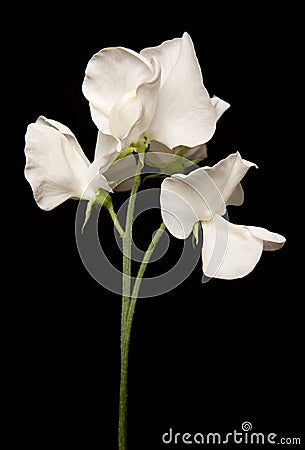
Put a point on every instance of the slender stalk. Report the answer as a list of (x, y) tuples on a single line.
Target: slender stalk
[(116, 221), (126, 286), (144, 263), (126, 289), (125, 340)]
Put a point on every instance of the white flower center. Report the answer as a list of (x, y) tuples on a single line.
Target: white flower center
[(124, 114)]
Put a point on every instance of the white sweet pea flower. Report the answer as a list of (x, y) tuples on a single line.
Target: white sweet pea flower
[(157, 94), (229, 251), (57, 168)]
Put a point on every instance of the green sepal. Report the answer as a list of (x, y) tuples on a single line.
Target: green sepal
[(88, 212), (102, 198), (128, 151), (177, 165)]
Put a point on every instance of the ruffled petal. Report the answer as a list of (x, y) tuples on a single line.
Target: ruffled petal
[(229, 251), (220, 106), (56, 166), (185, 114), (227, 175), (167, 54), (147, 95)]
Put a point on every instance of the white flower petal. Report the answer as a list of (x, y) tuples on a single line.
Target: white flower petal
[(159, 153), (272, 241), (177, 213), (185, 114), (105, 152), (56, 166), (111, 75), (63, 129), (203, 193), (167, 54), (159, 147), (147, 96), (220, 106), (159, 159), (186, 199), (195, 153), (237, 198), (124, 114), (120, 175), (227, 175), (229, 251)]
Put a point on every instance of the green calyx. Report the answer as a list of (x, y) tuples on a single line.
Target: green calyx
[(135, 147), (103, 198), (177, 165)]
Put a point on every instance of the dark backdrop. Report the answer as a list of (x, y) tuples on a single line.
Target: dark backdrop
[(204, 357)]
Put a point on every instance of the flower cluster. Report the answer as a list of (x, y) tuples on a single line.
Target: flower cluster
[(153, 104)]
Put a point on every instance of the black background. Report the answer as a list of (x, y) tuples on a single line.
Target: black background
[(204, 357)]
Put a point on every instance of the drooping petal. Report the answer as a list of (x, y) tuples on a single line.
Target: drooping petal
[(185, 114), (229, 251), (220, 106), (232, 251), (56, 166), (227, 175), (271, 241)]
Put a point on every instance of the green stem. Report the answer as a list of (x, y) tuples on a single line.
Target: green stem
[(115, 221), (126, 290), (144, 263), (126, 286), (125, 338)]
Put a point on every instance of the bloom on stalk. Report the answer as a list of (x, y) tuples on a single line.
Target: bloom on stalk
[(57, 168), (229, 251), (155, 95)]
